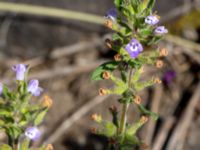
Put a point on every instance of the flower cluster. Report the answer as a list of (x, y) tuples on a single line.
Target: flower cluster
[(21, 116), (136, 28)]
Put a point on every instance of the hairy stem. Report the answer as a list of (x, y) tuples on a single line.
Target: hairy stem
[(122, 126), (50, 12)]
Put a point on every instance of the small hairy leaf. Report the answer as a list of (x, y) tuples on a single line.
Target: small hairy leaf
[(109, 66)]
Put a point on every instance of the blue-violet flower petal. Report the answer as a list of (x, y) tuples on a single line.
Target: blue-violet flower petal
[(151, 20), (20, 70), (160, 30), (134, 48), (33, 133)]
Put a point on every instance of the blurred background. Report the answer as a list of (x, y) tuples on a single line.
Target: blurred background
[(63, 53)]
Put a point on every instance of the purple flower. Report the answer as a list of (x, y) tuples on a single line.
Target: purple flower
[(151, 20), (111, 14), (33, 87), (33, 133), (134, 48), (20, 70), (1, 88), (169, 76), (160, 30)]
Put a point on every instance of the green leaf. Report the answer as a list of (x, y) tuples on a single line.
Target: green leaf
[(141, 85), (118, 3), (136, 75), (109, 66), (134, 128), (131, 139), (5, 147), (147, 112), (6, 93), (151, 4), (40, 117), (109, 129), (25, 144)]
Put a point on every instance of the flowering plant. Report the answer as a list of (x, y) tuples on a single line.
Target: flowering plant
[(136, 33), (19, 115)]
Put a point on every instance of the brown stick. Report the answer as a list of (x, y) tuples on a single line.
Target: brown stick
[(183, 125), (75, 117), (154, 108), (163, 133)]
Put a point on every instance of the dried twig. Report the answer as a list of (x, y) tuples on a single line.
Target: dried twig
[(154, 108), (75, 117), (183, 125), (163, 133)]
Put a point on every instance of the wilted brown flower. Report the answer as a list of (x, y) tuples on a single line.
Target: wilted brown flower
[(138, 100), (163, 52), (47, 101), (102, 92), (108, 43), (49, 147), (157, 81), (159, 63), (117, 57), (108, 23), (93, 130), (144, 119), (106, 75)]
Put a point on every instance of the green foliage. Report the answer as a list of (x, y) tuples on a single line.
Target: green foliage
[(17, 112), (109, 66), (125, 72), (5, 147)]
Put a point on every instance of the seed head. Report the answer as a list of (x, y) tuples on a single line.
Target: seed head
[(144, 119), (159, 63), (138, 100), (102, 92), (117, 57), (96, 117), (49, 147), (106, 75), (108, 43), (93, 130), (109, 23), (163, 52), (47, 101), (157, 81)]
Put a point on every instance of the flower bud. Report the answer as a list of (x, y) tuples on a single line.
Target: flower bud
[(163, 52), (117, 57), (49, 147), (138, 100), (47, 101), (106, 75), (102, 92), (144, 119), (157, 81), (159, 63), (108, 43), (20, 70)]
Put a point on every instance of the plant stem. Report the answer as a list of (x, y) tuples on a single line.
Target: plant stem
[(50, 12), (122, 126), (15, 146)]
